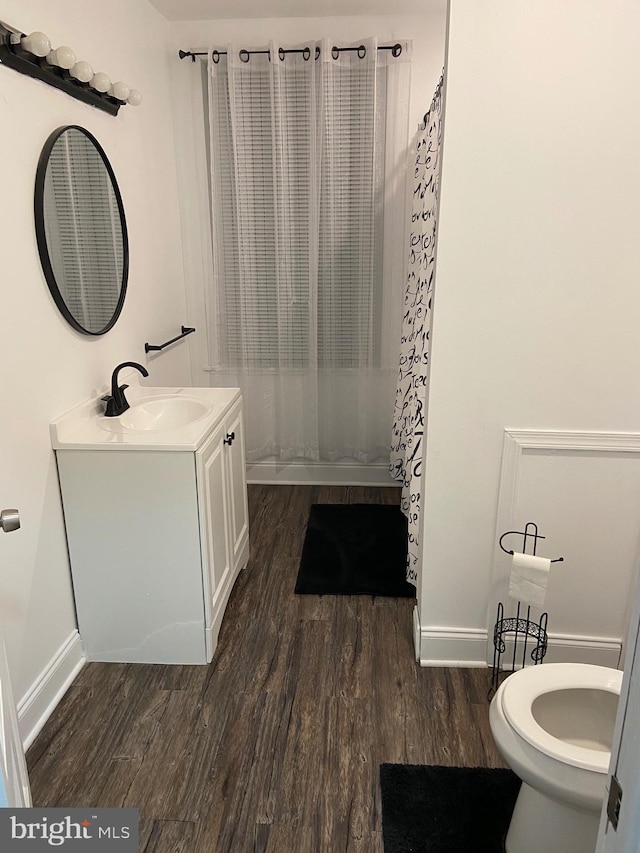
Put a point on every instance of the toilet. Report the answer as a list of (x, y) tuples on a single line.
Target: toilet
[(553, 724)]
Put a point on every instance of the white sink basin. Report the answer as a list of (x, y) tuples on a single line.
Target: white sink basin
[(157, 414), (159, 418)]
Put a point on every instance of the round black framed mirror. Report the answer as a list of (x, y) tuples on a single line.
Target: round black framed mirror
[(81, 230)]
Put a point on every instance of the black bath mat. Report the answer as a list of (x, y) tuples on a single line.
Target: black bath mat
[(446, 809), (355, 549)]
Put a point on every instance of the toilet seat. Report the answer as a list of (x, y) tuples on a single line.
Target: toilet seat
[(520, 690)]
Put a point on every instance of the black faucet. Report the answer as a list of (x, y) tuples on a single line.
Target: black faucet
[(117, 402)]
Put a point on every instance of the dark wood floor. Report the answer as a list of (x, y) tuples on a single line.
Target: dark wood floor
[(276, 745)]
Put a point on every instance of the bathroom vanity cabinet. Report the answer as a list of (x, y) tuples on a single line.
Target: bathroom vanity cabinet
[(157, 530)]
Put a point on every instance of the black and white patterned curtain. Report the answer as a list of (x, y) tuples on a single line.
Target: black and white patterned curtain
[(411, 393)]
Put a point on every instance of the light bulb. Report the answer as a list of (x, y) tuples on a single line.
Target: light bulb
[(62, 56), (36, 43), (82, 71), (135, 98), (100, 82), (120, 91)]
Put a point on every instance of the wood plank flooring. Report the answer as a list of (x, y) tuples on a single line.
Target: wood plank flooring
[(275, 746)]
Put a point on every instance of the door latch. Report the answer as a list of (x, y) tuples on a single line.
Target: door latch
[(614, 801)]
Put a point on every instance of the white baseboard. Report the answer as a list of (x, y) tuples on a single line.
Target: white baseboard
[(601, 651), (37, 705), (467, 647), (464, 647), (416, 633), (318, 473)]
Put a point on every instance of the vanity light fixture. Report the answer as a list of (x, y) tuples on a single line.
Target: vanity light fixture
[(33, 55)]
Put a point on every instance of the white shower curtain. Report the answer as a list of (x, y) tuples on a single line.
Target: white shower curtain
[(411, 393), (307, 155)]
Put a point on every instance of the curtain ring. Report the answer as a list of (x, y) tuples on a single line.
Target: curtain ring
[(317, 51), (362, 52), (281, 54), (335, 52), (396, 50), (244, 55), (306, 54), (215, 56)]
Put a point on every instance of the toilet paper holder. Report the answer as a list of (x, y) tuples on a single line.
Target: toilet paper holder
[(526, 534), (520, 628)]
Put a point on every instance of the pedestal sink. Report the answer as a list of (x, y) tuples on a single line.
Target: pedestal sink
[(157, 414)]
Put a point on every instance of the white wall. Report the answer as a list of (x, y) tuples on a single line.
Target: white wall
[(537, 298), (426, 30), (46, 367)]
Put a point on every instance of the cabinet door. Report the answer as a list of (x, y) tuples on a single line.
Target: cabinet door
[(214, 515), (133, 529), (237, 489)]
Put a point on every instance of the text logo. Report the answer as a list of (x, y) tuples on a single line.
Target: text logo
[(27, 830)]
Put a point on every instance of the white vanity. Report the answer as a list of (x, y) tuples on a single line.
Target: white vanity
[(155, 507)]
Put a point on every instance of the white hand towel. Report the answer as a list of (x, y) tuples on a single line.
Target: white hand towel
[(529, 577)]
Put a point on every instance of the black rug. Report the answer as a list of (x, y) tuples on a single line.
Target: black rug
[(355, 549), (446, 809)]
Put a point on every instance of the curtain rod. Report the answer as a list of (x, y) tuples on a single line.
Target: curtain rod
[(245, 55)]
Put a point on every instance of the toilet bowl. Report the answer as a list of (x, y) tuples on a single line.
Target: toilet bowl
[(553, 724)]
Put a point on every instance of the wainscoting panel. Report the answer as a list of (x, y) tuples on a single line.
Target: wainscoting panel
[(582, 489)]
